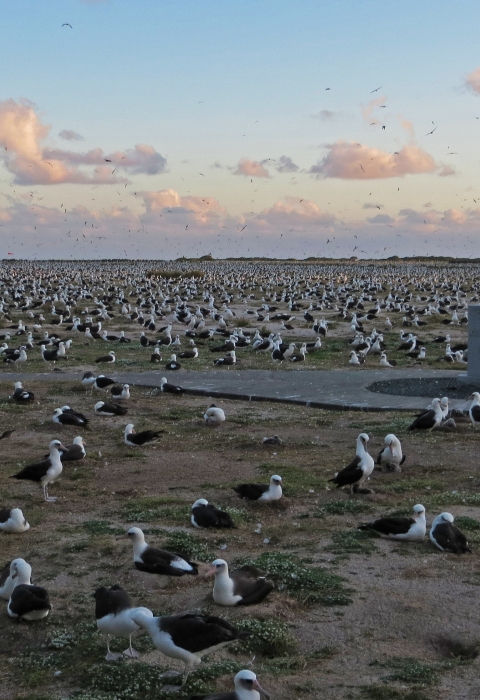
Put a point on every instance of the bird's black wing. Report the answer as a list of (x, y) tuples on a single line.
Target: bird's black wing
[(33, 472), (475, 410), (451, 538), (251, 491), (390, 526), (26, 598), (4, 515), (424, 421), (349, 474), (196, 632), (111, 601)]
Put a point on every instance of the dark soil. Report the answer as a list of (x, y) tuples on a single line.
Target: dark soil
[(425, 387)]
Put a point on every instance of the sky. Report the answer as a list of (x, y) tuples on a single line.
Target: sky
[(262, 128)]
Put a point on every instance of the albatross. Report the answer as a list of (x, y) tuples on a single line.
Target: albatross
[(188, 636), (411, 529), (46, 471), (158, 561), (391, 454), (446, 536), (261, 492), (133, 439), (214, 415), (429, 419), (359, 469), (27, 601), (113, 613), (13, 520), (246, 688), (244, 586), (204, 514)]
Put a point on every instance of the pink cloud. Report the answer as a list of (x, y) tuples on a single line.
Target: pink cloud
[(251, 168), (22, 134), (201, 209), (472, 81), (289, 211), (354, 161)]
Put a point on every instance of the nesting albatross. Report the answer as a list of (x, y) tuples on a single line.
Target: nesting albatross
[(244, 586)]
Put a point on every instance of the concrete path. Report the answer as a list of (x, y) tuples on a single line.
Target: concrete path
[(329, 389)]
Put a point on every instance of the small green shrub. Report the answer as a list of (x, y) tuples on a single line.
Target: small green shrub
[(269, 638)]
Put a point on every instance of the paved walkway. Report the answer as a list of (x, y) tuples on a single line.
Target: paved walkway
[(329, 389)]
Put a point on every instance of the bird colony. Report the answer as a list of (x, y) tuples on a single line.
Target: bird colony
[(143, 531)]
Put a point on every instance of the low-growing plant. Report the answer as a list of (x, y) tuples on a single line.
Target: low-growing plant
[(308, 584), (269, 637), (352, 542), (343, 507), (189, 546)]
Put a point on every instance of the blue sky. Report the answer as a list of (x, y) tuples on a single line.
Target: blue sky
[(222, 91)]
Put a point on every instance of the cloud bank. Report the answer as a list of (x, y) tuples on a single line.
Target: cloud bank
[(22, 135), (353, 161)]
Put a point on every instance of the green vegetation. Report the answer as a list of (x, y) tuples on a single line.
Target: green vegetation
[(308, 584)]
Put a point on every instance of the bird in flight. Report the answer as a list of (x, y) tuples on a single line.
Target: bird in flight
[(431, 132), (376, 90), (66, 24)]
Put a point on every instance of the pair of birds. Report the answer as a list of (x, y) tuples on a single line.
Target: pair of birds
[(443, 533), (244, 586), (25, 600), (186, 637), (361, 467)]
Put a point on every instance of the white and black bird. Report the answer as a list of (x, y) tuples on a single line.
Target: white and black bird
[(8, 577), (110, 358), (446, 536), (133, 439), (474, 410), (102, 408), (113, 613), (391, 455), (246, 688), (155, 356), (244, 586), (189, 354), (46, 471), (121, 393), (12, 520), (27, 601), (75, 451), (88, 380), (67, 416), (263, 493), (385, 362), (189, 636), (158, 561), (359, 469), (428, 420), (214, 415), (274, 440), (21, 395), (411, 529), (102, 382), (205, 514), (172, 364), (227, 361), (168, 388)]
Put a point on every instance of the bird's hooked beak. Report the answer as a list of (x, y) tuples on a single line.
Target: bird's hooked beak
[(211, 572), (262, 692), (62, 447)]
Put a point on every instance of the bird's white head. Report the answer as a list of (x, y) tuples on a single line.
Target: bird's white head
[(276, 480), (129, 429), (418, 511), (20, 570), (247, 680), (200, 502), (446, 517), (219, 566)]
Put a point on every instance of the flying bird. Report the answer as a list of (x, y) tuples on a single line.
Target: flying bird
[(376, 90), (66, 24)]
